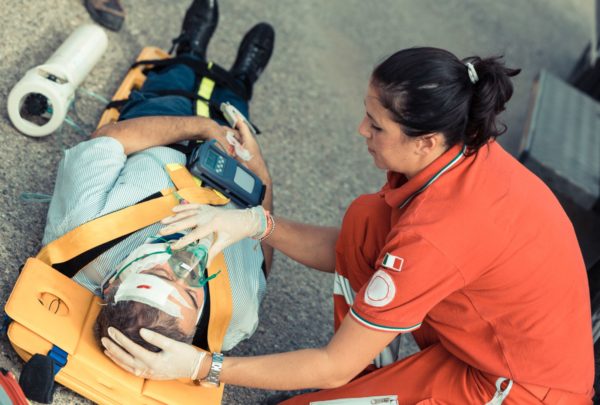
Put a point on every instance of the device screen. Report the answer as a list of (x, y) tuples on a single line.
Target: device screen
[(244, 180)]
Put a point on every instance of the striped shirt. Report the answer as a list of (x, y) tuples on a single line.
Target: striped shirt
[(96, 178)]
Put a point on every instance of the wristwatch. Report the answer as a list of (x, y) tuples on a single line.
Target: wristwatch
[(213, 379)]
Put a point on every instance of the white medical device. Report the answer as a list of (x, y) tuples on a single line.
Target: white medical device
[(39, 102)]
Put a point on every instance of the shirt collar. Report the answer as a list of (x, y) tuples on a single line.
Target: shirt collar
[(399, 191)]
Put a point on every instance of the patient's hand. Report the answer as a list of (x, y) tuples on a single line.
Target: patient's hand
[(218, 132), (175, 360), (257, 162)]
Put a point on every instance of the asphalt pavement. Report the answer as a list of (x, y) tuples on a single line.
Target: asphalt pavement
[(308, 104)]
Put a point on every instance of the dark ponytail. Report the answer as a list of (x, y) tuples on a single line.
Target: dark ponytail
[(430, 90)]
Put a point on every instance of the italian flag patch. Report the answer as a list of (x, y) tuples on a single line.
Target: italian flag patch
[(392, 262)]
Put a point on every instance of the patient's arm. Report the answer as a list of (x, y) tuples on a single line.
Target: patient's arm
[(137, 134)]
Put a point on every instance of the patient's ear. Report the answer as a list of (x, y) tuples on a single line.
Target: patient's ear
[(113, 285)]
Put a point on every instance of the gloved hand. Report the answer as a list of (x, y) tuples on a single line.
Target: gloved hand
[(175, 360), (229, 225)]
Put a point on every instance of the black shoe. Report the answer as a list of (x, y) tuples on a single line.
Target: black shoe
[(253, 55), (108, 13), (198, 26)]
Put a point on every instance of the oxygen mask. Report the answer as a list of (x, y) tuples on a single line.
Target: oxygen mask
[(188, 264)]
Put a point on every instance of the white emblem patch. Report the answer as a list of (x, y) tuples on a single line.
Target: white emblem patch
[(381, 289)]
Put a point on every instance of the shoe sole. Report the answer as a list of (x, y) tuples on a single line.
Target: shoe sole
[(110, 21)]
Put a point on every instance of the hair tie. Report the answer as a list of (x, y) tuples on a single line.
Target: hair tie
[(472, 73)]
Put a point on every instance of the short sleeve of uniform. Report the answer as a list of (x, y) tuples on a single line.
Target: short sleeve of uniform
[(412, 276)]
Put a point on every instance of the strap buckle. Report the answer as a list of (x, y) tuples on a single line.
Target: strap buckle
[(59, 356)]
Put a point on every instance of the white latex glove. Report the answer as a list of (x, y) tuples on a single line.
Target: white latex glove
[(229, 225), (175, 360)]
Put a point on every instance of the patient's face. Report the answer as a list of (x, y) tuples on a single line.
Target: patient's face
[(194, 297)]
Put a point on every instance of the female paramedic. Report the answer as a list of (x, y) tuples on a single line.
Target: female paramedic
[(463, 247)]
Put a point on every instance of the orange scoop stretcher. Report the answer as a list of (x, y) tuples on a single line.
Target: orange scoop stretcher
[(51, 313)]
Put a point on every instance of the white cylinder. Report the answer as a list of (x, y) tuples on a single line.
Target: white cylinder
[(51, 86)]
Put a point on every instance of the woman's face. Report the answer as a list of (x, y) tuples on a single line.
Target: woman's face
[(386, 142)]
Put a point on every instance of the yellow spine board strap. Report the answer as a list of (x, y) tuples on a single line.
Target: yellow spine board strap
[(181, 177), (128, 220), (221, 305)]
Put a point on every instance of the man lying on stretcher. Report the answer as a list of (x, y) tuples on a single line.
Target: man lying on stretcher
[(124, 163)]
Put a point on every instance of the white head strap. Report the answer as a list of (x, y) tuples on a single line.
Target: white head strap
[(151, 290), (472, 72)]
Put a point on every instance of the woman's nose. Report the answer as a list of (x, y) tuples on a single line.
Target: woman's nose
[(363, 128)]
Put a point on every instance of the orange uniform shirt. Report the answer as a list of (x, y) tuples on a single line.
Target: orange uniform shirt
[(479, 250)]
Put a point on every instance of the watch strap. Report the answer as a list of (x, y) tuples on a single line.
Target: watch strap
[(213, 379)]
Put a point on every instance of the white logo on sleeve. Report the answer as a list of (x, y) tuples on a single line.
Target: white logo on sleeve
[(392, 262), (381, 289)]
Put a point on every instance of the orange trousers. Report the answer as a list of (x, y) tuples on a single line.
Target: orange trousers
[(433, 376)]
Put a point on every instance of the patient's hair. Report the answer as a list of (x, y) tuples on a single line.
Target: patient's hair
[(130, 316)]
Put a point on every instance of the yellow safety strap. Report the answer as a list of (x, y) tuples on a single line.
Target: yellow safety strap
[(221, 305), (109, 227), (205, 90), (181, 177)]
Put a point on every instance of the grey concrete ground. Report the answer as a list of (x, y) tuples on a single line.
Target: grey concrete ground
[(308, 103)]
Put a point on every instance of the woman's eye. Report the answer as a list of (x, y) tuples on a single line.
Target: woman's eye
[(375, 127)]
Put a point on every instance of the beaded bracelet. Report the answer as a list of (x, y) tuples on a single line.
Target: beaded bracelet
[(270, 226)]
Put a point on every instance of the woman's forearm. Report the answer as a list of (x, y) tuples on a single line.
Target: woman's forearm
[(308, 368), (137, 134), (350, 350), (311, 245)]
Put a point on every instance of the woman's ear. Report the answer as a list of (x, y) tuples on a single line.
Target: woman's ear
[(428, 143)]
